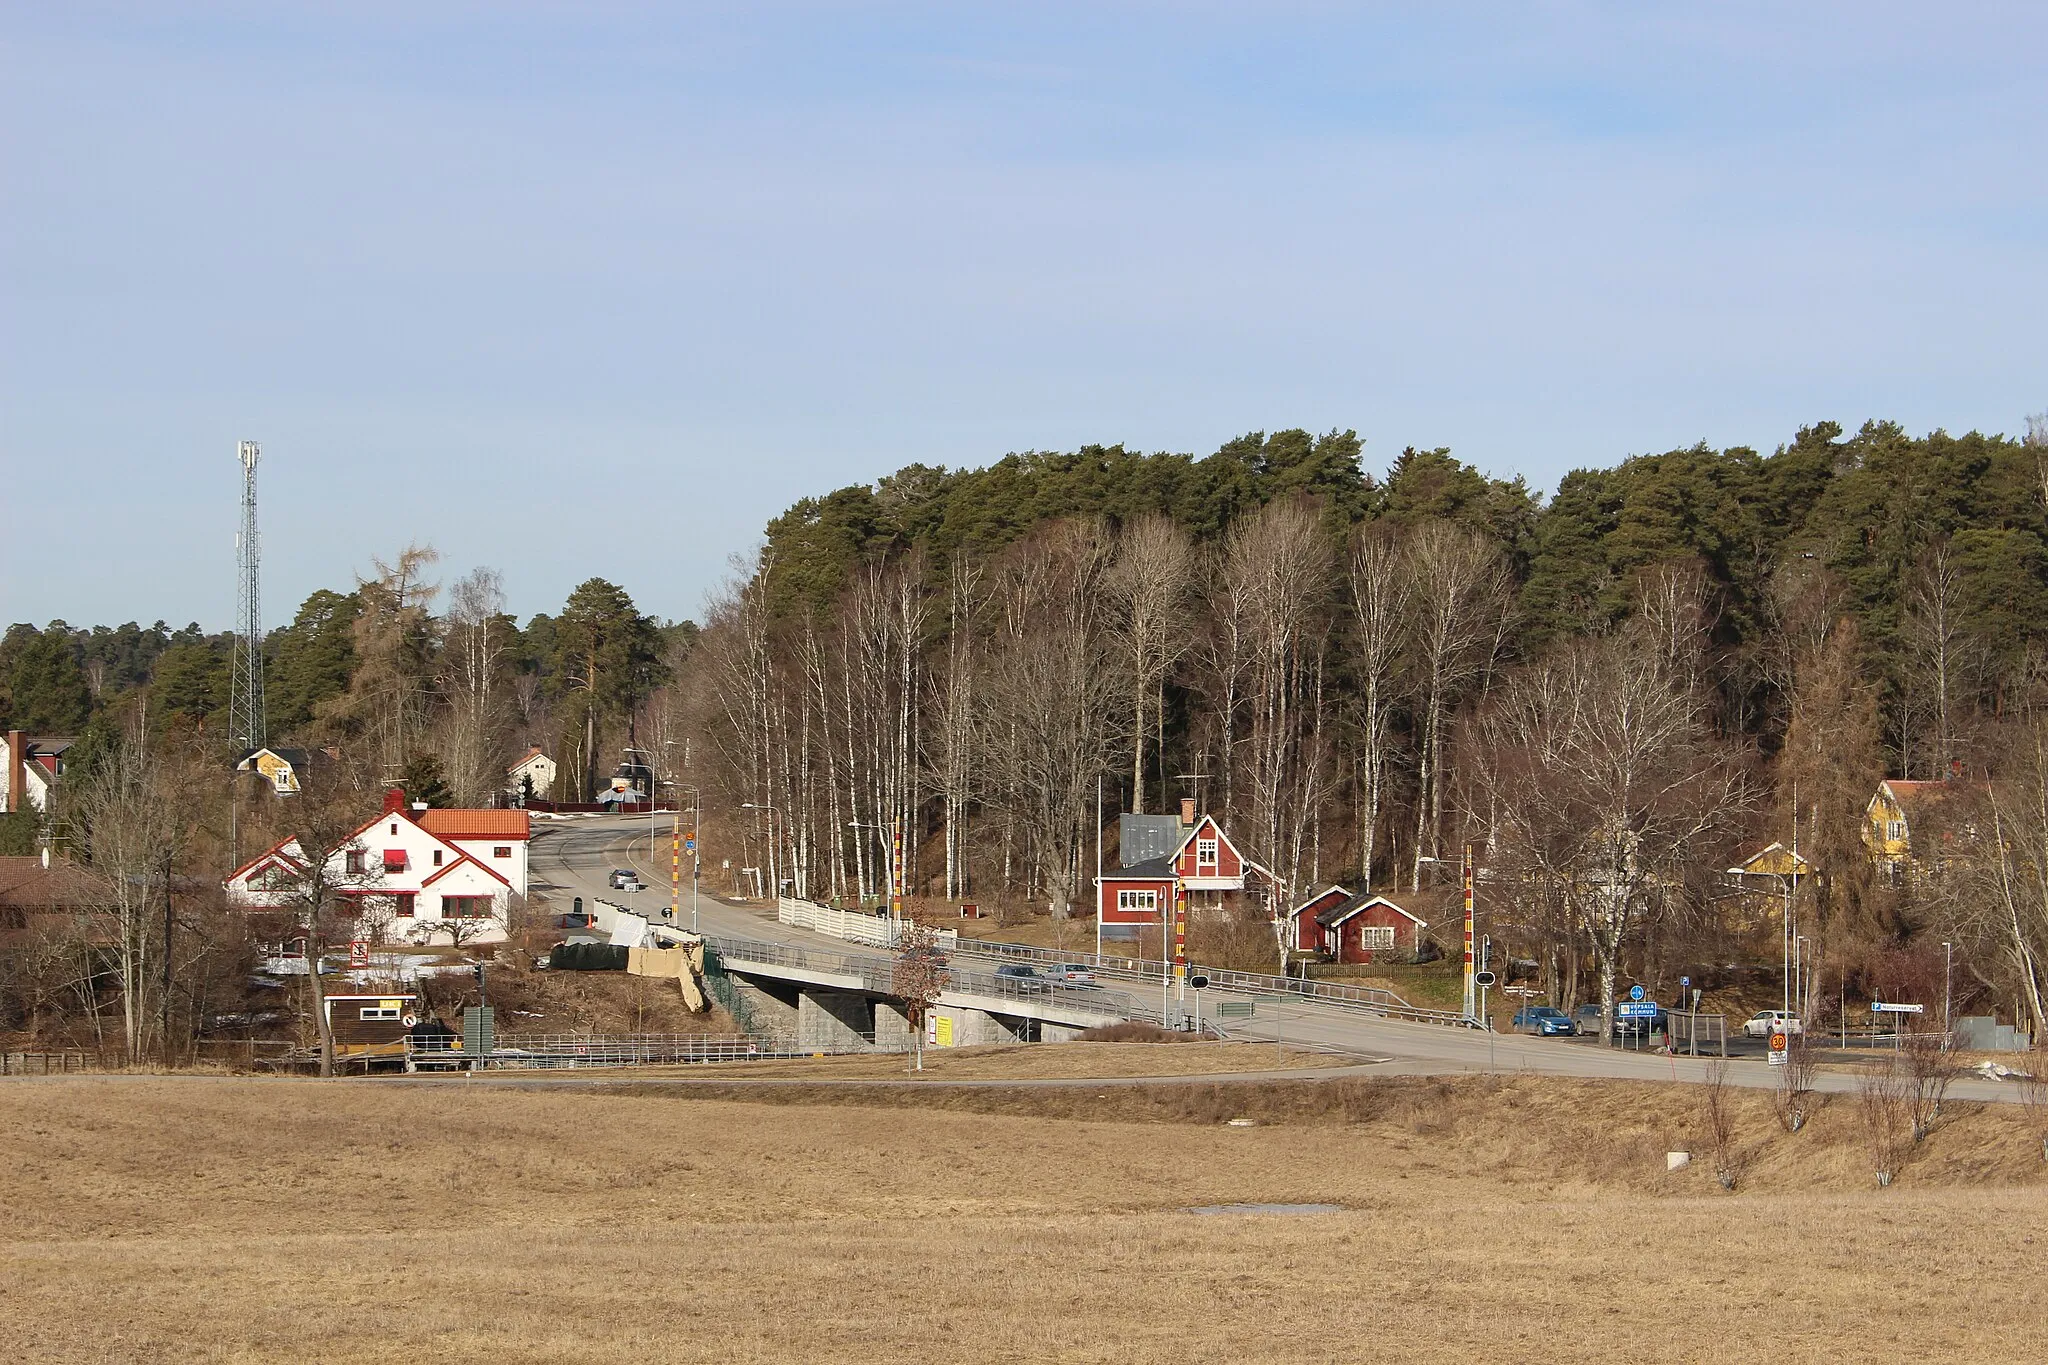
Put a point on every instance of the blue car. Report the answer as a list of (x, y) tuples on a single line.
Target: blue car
[(1545, 1021)]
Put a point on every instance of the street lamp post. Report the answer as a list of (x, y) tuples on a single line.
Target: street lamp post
[(1948, 976)]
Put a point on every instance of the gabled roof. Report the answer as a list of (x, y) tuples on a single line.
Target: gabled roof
[(1320, 896), (1360, 903), (297, 758), (1196, 828), (286, 850), (1758, 863), (532, 752), (460, 859), (475, 824)]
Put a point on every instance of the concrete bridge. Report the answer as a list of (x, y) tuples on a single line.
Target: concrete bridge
[(835, 1001)]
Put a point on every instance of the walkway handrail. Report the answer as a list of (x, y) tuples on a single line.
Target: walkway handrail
[(1369, 999)]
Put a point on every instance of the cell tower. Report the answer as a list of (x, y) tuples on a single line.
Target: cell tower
[(245, 700)]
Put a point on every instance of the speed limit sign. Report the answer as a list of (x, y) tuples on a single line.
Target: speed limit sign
[(1778, 1048)]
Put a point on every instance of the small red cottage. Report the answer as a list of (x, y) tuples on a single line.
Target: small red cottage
[(1160, 850), (1307, 935), (1362, 927)]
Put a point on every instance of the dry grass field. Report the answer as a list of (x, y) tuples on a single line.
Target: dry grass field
[(216, 1219), (1038, 1061)]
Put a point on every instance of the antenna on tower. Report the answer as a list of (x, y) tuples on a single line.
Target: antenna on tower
[(245, 699)]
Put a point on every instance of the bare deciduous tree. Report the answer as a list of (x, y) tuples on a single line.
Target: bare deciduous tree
[(1882, 1096), (473, 664), (1377, 602), (1458, 596), (1606, 787), (124, 818), (918, 979), (1151, 580)]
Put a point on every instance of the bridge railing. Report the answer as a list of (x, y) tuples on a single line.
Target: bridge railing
[(878, 974), (1367, 999)]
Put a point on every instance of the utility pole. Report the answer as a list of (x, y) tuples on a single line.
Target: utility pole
[(1948, 976), (1471, 978)]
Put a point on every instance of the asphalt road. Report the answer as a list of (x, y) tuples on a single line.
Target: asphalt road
[(575, 858)]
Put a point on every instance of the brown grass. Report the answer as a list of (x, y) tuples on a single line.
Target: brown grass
[(246, 1220), (1034, 1061)]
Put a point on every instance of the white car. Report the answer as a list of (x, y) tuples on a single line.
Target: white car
[(1764, 1023)]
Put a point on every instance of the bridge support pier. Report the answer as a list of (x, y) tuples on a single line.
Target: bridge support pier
[(892, 1027), (1058, 1033), (774, 1007), (833, 1021)]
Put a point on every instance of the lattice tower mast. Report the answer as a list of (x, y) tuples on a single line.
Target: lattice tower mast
[(245, 701)]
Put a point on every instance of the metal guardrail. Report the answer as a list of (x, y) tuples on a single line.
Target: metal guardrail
[(547, 1052), (878, 974), (1366, 999)]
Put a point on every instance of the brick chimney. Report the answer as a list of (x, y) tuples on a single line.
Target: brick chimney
[(17, 779), (1187, 811), (394, 801)]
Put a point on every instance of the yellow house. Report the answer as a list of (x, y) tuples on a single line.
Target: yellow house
[(1902, 812), (1765, 877), (279, 767)]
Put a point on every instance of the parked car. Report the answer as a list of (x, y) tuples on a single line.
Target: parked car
[(1764, 1023), (621, 875), (1019, 977), (1074, 974), (1586, 1019), (1545, 1021)]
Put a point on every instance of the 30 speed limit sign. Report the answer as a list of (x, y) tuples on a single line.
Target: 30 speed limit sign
[(1779, 1044)]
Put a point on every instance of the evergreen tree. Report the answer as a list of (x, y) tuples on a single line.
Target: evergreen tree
[(46, 689)]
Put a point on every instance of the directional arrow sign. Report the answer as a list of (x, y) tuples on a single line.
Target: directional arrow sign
[(1880, 1007)]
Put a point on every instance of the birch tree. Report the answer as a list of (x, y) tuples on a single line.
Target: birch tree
[(1458, 596), (1377, 600), (1151, 581), (124, 819), (1608, 787)]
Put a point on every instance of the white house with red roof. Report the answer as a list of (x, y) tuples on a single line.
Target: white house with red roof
[(416, 874)]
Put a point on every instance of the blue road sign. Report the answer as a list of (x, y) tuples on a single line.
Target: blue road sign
[(689, 845), (1636, 1009), (1635, 992)]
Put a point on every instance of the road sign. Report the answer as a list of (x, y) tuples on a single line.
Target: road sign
[(1636, 1009), (358, 953), (1635, 992), (1880, 1007), (1685, 981), (1200, 983), (1484, 979), (1781, 1051)]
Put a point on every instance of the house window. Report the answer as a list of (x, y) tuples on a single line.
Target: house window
[(465, 907), (394, 829), (1205, 853), (378, 1012), (1132, 902), (1372, 936), (501, 851), (402, 903), (437, 857), (1895, 830), (394, 860), (355, 862)]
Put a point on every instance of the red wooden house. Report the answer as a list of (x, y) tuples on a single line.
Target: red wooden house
[(1192, 852), (1367, 928), (1306, 934)]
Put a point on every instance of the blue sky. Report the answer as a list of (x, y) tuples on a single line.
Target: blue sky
[(575, 289)]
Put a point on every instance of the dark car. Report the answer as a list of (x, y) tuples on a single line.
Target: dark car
[(1586, 1018), (1546, 1021), (1018, 977)]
